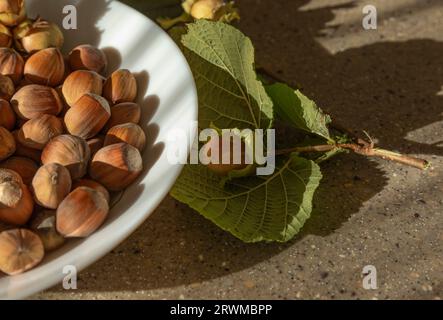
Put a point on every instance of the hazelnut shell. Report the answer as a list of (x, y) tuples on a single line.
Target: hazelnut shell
[(37, 132), (45, 67), (81, 213), (79, 83), (120, 87), (116, 166), (129, 133), (20, 250), (87, 57), (87, 116), (35, 100), (51, 184), (69, 151)]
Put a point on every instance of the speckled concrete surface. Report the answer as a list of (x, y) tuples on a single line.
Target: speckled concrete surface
[(389, 82)]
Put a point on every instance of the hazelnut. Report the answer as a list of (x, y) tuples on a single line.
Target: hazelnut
[(120, 87), (45, 67), (16, 204), (207, 9), (7, 144), (25, 167), (126, 112), (87, 57), (5, 36), (44, 225), (116, 166), (37, 132), (87, 116), (96, 144), (7, 115), (81, 213), (35, 100), (51, 184), (19, 32), (93, 185), (129, 133), (20, 250), (26, 152), (79, 83), (12, 12), (69, 151), (7, 88), (39, 35), (11, 64)]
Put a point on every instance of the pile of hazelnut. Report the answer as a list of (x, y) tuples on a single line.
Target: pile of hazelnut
[(69, 138)]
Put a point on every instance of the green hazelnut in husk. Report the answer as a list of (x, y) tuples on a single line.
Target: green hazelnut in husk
[(35, 36), (12, 12)]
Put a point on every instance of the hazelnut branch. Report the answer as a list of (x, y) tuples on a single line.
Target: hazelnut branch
[(362, 148)]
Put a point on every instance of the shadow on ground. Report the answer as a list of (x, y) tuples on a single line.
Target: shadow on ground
[(387, 88)]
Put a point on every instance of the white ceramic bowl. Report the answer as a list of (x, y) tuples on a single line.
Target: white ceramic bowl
[(133, 42)]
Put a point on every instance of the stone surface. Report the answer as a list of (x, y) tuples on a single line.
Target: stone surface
[(367, 212)]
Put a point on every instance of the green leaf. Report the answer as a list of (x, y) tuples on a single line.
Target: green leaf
[(294, 107), (222, 60), (272, 208)]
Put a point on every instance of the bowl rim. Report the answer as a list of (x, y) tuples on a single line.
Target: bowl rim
[(36, 282)]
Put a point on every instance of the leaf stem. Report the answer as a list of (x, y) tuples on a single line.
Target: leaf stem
[(364, 149)]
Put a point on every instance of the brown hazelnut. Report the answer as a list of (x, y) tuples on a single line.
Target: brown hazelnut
[(7, 144), (12, 12), (11, 64), (16, 204), (5, 36), (87, 57), (116, 166), (35, 100), (51, 184), (69, 151), (7, 88), (93, 185), (79, 83), (26, 152), (81, 213), (120, 87), (129, 133), (25, 167), (20, 250), (38, 35), (7, 115), (37, 132), (87, 116), (126, 112), (45, 67), (44, 225)]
